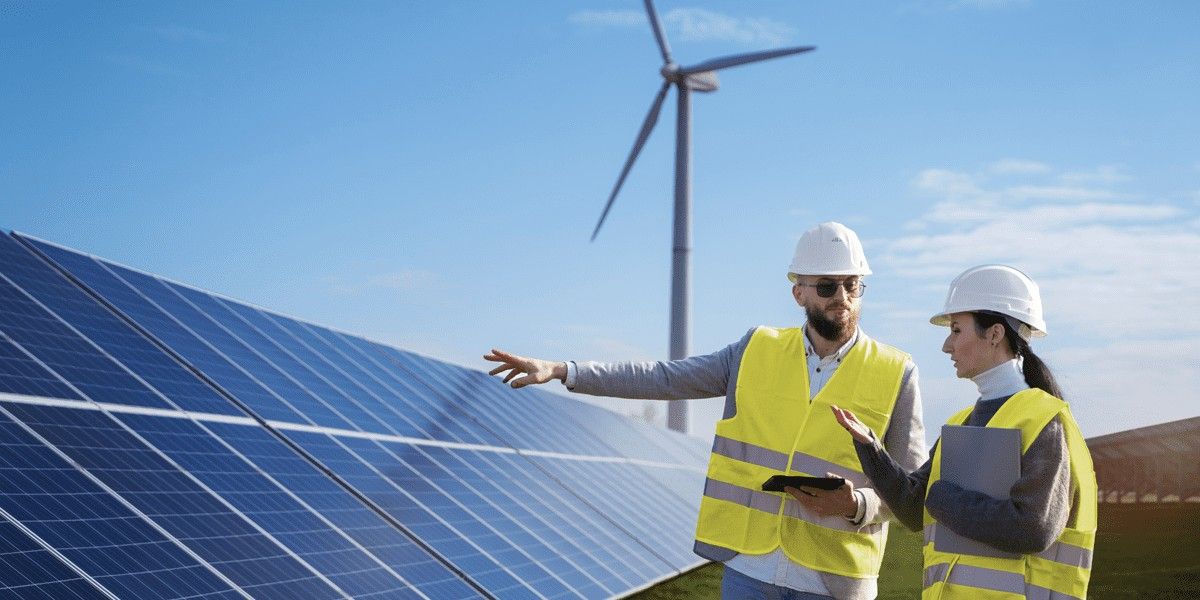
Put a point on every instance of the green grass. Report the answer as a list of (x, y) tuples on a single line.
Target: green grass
[(1142, 551)]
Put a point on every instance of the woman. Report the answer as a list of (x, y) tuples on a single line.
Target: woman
[(1049, 520)]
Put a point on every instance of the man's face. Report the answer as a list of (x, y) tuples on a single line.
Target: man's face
[(836, 316)]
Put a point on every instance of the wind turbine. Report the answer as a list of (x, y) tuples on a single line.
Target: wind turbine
[(701, 77)]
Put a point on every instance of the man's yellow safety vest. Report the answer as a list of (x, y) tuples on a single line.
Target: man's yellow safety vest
[(777, 429), (1059, 573)]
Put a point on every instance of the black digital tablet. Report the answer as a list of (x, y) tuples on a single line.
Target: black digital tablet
[(777, 482)]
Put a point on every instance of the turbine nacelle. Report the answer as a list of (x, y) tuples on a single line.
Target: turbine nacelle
[(697, 81)]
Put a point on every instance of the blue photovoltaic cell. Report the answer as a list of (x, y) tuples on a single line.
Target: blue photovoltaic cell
[(101, 326), (29, 572), (492, 497), (550, 523), (423, 378), (162, 492), (347, 513), (20, 374), (436, 417), (347, 383), (636, 504), (160, 325), (335, 400), (559, 518), (631, 561), (91, 528), (493, 535), (68, 354), (350, 568), (455, 545), (298, 398)]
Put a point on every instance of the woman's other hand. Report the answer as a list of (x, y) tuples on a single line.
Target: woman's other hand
[(849, 422)]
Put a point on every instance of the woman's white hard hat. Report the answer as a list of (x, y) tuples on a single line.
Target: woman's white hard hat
[(828, 249), (1000, 289)]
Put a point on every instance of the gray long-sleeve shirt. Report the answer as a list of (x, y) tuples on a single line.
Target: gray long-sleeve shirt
[(715, 375), (1029, 521)]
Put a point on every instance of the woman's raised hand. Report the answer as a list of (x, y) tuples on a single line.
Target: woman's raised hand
[(849, 422)]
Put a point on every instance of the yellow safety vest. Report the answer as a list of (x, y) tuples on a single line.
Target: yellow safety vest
[(1059, 573), (777, 429)]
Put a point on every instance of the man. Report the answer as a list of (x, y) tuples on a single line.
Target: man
[(778, 386)]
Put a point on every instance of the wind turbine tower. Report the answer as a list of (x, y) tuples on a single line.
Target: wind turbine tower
[(701, 77)]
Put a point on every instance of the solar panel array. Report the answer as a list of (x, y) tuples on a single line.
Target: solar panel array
[(158, 441)]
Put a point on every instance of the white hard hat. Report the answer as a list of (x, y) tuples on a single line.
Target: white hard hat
[(996, 288), (828, 249)]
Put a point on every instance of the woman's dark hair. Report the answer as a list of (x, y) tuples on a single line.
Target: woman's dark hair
[(1037, 374)]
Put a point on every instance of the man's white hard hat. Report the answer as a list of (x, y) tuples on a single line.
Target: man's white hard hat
[(1000, 289), (828, 249)]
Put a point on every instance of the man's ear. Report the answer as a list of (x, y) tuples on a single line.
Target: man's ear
[(796, 294)]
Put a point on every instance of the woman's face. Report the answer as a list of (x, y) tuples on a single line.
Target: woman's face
[(970, 352)]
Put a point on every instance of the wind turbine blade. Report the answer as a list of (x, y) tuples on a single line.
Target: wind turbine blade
[(647, 127), (659, 35), (725, 62)]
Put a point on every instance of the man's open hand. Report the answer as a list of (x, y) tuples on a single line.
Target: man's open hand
[(534, 370)]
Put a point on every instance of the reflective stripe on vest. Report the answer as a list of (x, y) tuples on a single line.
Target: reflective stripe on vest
[(749, 453), (777, 428), (989, 579), (770, 503), (976, 577), (777, 461), (1059, 552)]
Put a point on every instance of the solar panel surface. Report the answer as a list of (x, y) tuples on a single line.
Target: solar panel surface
[(204, 447)]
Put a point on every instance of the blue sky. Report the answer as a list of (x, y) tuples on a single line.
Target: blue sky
[(428, 174)]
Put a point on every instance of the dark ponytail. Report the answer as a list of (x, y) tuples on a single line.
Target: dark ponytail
[(1037, 374)]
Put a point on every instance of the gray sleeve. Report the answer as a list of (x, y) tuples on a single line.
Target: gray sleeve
[(905, 439), (1036, 511), (902, 491), (704, 376)]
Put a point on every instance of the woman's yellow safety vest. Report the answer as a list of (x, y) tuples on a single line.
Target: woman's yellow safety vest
[(777, 429), (1059, 573)]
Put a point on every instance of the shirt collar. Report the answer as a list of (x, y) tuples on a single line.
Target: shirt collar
[(839, 354)]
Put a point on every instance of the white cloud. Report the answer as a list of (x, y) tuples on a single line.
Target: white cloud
[(1058, 192), (1007, 166), (695, 25), (698, 24), (946, 183), (609, 18), (1106, 174)]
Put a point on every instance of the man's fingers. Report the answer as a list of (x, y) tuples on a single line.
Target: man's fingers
[(500, 369), (511, 374)]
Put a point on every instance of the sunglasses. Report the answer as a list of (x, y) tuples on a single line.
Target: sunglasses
[(826, 288)]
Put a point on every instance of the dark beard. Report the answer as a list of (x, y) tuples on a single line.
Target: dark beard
[(827, 329)]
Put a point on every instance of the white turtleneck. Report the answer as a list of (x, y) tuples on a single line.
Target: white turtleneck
[(1000, 381)]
